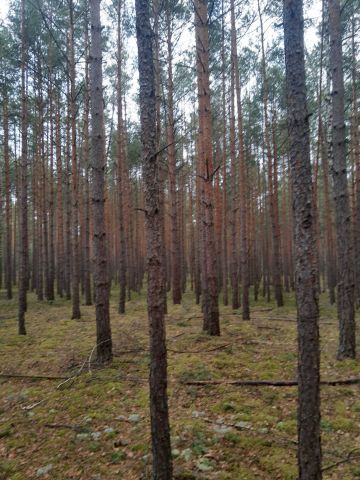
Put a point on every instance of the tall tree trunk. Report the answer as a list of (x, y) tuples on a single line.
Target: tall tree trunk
[(23, 223), (273, 199), (51, 273), (76, 314), (224, 170), (121, 169), (355, 148), (60, 254), (210, 288), (87, 163), (101, 274), (309, 448), (234, 198), (242, 176), (171, 155), (8, 265), (152, 175), (344, 247)]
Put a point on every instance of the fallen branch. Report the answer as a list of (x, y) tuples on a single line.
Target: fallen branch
[(31, 377), (200, 351), (270, 383), (33, 405), (76, 428), (294, 320), (347, 459)]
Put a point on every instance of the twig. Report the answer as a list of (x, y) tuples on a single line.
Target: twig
[(343, 460), (69, 379), (31, 377), (271, 383), (200, 351), (76, 428), (92, 351), (33, 405)]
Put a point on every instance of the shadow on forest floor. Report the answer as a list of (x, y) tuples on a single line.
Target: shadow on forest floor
[(97, 426)]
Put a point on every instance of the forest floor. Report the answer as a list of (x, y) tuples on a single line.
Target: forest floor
[(96, 426)]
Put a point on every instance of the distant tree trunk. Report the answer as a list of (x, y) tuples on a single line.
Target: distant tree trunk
[(86, 155), (234, 198), (210, 288), (171, 154), (101, 274), (306, 283), (8, 265), (121, 170), (60, 257), (345, 259), (68, 242), (23, 223), (355, 148), (51, 212), (152, 175), (242, 176), (225, 270), (75, 258), (157, 73), (273, 200)]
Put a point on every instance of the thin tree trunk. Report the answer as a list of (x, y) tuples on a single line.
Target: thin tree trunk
[(306, 285), (170, 136), (76, 314), (101, 274), (242, 176), (211, 322), (152, 175), (309, 449), (273, 199), (8, 265), (121, 170), (344, 247), (23, 223)]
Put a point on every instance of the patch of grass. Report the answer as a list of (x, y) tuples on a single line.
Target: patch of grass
[(276, 463)]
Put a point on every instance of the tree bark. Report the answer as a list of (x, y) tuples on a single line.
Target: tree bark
[(209, 288), (306, 283), (344, 245), (120, 169), (101, 274), (171, 154), (8, 266), (76, 314), (273, 200), (23, 222), (242, 176), (152, 175)]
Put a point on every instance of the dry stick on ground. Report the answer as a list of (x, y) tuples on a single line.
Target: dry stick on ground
[(349, 457), (270, 383), (32, 377), (76, 428), (200, 351)]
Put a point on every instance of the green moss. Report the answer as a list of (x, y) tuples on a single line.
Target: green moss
[(288, 426), (276, 463), (199, 372), (355, 471), (117, 457), (326, 425), (139, 447), (345, 424), (6, 430), (7, 467), (233, 438)]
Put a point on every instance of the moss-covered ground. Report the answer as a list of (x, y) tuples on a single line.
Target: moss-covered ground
[(97, 426)]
